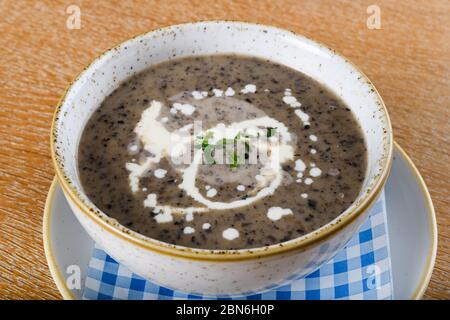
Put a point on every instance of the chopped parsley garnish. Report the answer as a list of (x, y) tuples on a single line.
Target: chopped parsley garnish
[(271, 131), (235, 160), (247, 150), (205, 140), (224, 141)]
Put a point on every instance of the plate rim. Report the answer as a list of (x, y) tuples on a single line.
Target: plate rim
[(432, 225), (67, 294), (58, 278)]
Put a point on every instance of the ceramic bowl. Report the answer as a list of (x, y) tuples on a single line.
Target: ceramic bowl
[(212, 272)]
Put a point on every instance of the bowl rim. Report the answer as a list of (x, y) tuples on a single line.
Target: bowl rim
[(297, 244)]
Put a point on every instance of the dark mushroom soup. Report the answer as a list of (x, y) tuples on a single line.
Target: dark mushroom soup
[(222, 152)]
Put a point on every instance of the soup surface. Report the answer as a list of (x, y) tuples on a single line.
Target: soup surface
[(222, 152)]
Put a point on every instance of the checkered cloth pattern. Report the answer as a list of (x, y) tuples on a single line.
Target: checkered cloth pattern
[(362, 270)]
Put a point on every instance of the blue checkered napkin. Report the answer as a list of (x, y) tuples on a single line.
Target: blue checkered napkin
[(362, 270)]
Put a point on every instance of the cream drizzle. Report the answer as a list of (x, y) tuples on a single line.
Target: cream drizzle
[(157, 140)]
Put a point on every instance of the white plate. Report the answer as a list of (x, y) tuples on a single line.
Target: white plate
[(411, 227)]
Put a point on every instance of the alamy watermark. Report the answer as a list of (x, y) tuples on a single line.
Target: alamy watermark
[(374, 278), (73, 21), (374, 19), (73, 280)]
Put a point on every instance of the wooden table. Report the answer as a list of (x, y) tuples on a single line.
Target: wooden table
[(408, 60)]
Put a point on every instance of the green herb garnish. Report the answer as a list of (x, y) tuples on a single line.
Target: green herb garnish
[(224, 141), (247, 150), (208, 153), (205, 140), (234, 161), (271, 131)]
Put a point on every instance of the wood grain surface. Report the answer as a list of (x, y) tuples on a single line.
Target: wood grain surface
[(408, 60)]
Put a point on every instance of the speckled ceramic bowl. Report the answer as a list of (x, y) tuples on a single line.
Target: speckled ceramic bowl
[(214, 271)]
